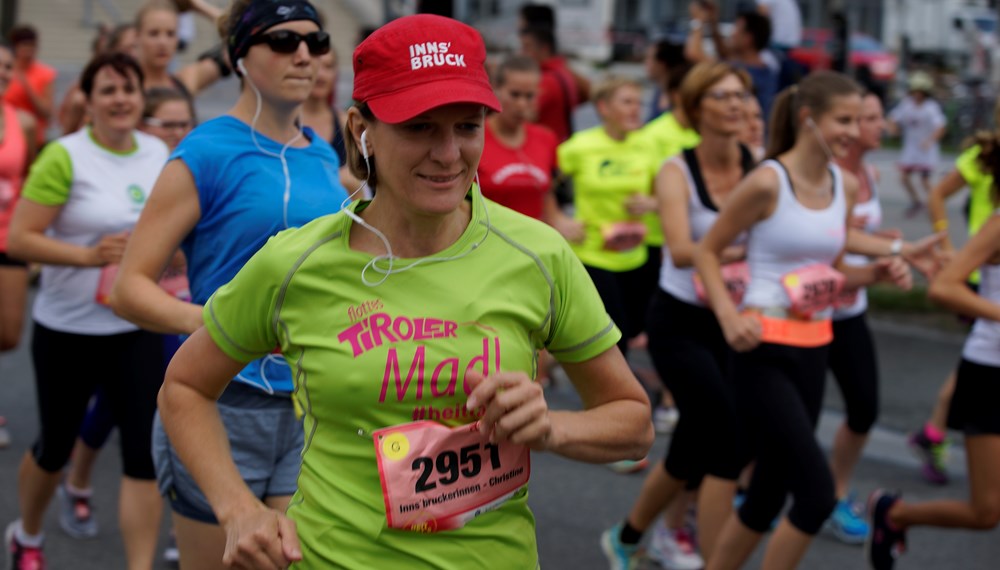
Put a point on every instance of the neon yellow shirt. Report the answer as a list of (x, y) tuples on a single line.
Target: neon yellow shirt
[(365, 357), (666, 138), (605, 173), (980, 185)]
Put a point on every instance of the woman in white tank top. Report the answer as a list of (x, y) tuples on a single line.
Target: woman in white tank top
[(852, 354), (795, 209), (974, 409)]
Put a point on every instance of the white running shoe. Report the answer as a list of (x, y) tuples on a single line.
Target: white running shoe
[(665, 419), (674, 549)]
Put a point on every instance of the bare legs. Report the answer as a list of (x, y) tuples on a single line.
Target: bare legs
[(981, 511)]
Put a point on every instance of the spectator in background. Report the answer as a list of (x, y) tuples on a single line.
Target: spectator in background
[(560, 91), (786, 21), (745, 48), (920, 121), (32, 87), (662, 57)]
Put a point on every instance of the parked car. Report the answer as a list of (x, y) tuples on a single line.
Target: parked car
[(816, 52)]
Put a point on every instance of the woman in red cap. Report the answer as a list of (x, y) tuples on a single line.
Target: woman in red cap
[(412, 324)]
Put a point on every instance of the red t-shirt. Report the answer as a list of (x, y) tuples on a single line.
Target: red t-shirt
[(520, 177), (39, 76), (558, 95), (13, 154)]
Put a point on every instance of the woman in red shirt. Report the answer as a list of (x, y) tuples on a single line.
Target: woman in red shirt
[(519, 158)]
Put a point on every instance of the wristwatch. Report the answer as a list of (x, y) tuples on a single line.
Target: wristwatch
[(897, 247)]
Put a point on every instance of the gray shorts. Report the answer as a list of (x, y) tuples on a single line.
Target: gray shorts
[(266, 442)]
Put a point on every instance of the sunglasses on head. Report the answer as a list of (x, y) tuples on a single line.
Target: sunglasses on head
[(287, 41)]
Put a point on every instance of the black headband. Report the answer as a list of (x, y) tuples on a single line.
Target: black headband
[(261, 15)]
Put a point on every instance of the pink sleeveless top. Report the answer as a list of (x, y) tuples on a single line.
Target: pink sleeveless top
[(13, 153)]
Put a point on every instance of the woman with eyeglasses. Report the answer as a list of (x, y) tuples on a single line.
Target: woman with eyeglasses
[(685, 341), (229, 186), (794, 208), (168, 116), (83, 195)]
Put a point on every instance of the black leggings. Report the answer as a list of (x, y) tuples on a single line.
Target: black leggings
[(693, 360), (855, 367), (68, 370), (624, 299), (780, 391)]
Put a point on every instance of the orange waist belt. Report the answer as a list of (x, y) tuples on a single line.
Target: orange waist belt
[(794, 332)]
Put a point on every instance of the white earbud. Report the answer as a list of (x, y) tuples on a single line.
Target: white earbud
[(240, 66), (364, 145)]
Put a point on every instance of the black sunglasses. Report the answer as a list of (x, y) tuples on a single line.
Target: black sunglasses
[(287, 41)]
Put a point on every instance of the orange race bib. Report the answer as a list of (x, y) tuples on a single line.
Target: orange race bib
[(436, 478), (735, 275), (812, 288), (623, 236), (173, 282)]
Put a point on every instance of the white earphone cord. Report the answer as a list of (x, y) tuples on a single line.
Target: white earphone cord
[(286, 197), (388, 255)]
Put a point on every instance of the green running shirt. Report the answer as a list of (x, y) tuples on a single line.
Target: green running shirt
[(365, 357), (605, 173)]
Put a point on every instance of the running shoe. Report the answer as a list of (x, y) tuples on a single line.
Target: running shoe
[(76, 517), (20, 557), (619, 554), (665, 419), (847, 523), (933, 457), (627, 466), (885, 543), (674, 549), (170, 553)]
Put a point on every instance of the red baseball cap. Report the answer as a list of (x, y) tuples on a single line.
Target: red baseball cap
[(417, 63)]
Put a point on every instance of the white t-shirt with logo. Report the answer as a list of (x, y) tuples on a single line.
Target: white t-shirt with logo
[(100, 192), (918, 122), (786, 22)]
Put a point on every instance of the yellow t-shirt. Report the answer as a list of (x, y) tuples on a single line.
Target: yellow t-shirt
[(605, 173), (980, 185)]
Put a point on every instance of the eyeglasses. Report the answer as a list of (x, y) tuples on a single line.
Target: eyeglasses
[(287, 41), (169, 125), (720, 96)]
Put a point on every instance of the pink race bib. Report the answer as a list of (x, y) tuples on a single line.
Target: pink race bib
[(623, 236), (437, 478), (813, 288), (173, 282), (735, 275)]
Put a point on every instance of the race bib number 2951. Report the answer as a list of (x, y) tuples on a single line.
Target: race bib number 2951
[(437, 478)]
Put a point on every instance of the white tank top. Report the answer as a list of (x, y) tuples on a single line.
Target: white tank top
[(793, 236), (702, 213), (871, 212), (983, 344)]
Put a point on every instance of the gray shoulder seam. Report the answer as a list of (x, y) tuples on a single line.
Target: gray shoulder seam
[(291, 272), (550, 315)]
